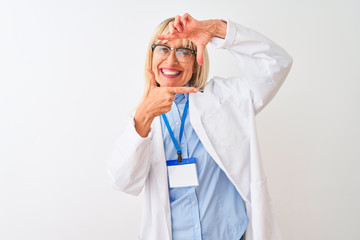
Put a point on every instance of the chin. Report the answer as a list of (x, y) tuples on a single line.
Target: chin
[(171, 84)]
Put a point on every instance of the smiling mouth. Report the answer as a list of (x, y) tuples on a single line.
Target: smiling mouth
[(170, 72)]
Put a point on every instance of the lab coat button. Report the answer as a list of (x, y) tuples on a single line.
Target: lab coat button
[(196, 226)]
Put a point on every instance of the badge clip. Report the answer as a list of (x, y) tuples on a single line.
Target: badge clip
[(179, 157)]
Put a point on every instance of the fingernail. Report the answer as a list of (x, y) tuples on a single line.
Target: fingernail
[(195, 90)]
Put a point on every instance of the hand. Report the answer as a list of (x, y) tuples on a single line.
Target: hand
[(156, 101), (199, 32)]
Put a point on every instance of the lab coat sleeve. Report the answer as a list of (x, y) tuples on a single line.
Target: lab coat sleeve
[(129, 164), (263, 64)]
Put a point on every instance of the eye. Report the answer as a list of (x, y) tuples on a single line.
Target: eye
[(183, 52), (162, 49)]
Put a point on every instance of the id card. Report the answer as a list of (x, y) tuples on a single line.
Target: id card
[(182, 174)]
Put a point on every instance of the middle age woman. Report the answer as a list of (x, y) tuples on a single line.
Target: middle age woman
[(196, 152)]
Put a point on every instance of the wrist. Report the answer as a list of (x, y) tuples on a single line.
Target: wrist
[(142, 120), (220, 28), (143, 115)]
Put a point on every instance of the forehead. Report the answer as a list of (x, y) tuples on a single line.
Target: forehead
[(177, 43)]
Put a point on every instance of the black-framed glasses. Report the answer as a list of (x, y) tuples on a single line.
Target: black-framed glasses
[(182, 54)]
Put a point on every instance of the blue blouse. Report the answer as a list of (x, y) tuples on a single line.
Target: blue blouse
[(212, 210)]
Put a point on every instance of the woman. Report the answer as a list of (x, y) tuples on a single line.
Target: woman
[(196, 152)]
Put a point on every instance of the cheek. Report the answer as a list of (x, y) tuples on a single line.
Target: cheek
[(154, 63), (154, 68), (190, 71)]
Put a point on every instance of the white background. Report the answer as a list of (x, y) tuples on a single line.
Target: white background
[(72, 71)]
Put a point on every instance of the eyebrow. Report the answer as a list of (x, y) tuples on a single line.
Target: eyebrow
[(185, 43), (189, 47)]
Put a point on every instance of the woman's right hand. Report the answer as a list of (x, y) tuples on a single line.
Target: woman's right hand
[(156, 101)]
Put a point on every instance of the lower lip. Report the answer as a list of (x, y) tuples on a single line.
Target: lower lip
[(170, 76)]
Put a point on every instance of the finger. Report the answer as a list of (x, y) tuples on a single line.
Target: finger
[(170, 36), (199, 55), (174, 90), (185, 18), (171, 96), (151, 78), (165, 109), (177, 24), (171, 28)]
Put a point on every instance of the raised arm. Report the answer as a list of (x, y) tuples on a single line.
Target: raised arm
[(129, 164), (263, 64)]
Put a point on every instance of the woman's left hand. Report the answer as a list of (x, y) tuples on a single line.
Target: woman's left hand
[(199, 32)]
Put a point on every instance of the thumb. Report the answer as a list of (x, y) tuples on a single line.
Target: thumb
[(151, 78), (199, 55)]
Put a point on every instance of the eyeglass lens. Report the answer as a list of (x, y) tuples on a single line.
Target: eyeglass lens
[(181, 54)]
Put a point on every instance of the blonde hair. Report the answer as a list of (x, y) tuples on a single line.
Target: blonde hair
[(200, 75)]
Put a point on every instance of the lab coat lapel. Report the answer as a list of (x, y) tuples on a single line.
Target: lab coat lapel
[(160, 171), (195, 109)]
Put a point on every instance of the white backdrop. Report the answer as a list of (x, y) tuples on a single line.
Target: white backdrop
[(72, 71)]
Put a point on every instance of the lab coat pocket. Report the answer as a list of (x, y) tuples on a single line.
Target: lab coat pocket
[(226, 126), (263, 220)]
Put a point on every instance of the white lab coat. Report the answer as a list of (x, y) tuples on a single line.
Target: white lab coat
[(223, 116)]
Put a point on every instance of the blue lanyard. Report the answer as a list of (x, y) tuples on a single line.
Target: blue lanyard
[(176, 144)]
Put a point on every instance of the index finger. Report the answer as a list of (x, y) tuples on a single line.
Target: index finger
[(170, 36), (174, 90)]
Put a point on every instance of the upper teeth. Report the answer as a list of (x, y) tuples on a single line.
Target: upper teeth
[(169, 72)]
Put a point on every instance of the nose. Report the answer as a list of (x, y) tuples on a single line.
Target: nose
[(172, 57)]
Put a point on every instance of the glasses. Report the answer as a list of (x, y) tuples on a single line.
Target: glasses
[(182, 54)]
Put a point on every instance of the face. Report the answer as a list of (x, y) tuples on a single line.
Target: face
[(171, 73)]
